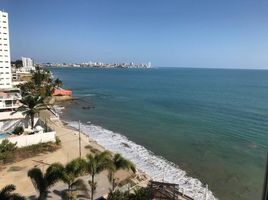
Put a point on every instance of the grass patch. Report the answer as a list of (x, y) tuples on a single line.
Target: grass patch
[(27, 152), (92, 149)]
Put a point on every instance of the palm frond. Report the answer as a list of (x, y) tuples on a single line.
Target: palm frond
[(38, 180), (17, 196), (7, 189), (79, 184), (54, 173)]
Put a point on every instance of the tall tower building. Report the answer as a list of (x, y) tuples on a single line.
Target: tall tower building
[(5, 67)]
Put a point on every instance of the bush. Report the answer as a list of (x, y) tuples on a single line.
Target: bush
[(58, 141), (117, 195), (18, 130), (6, 149)]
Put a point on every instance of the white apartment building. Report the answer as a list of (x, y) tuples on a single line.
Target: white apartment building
[(5, 67), (9, 97), (27, 64)]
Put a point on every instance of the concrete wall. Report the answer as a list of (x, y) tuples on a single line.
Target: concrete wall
[(27, 140)]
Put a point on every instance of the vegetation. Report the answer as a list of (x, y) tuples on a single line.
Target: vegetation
[(6, 193), (17, 63), (58, 83), (117, 195), (58, 141), (69, 175), (9, 153), (6, 150), (96, 164), (42, 182), (18, 130), (31, 105), (41, 84), (118, 162), (139, 194)]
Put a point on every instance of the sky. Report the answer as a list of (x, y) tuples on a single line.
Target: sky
[(168, 33)]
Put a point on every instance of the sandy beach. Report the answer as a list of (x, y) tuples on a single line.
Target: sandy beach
[(69, 150)]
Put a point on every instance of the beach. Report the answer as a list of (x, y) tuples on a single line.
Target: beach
[(69, 150)]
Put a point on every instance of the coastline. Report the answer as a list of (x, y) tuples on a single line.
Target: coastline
[(16, 173), (149, 165)]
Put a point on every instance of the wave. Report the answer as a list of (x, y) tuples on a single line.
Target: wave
[(158, 168)]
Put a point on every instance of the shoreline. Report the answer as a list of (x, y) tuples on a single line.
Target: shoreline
[(189, 186), (16, 173)]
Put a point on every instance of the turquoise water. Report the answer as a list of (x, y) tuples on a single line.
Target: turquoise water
[(211, 123), (3, 135)]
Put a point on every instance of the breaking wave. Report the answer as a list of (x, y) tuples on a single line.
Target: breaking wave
[(156, 167)]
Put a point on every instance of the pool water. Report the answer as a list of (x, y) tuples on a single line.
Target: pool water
[(3, 135)]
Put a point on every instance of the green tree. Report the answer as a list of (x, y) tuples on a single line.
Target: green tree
[(6, 149), (58, 83), (139, 194), (118, 162), (96, 164), (42, 182), (28, 88), (40, 78), (69, 174), (6, 193), (31, 105), (117, 195)]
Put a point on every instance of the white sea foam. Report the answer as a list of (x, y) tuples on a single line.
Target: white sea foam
[(58, 109), (156, 167)]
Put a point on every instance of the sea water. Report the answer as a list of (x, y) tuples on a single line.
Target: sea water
[(174, 123)]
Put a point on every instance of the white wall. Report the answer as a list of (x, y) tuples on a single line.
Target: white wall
[(27, 140)]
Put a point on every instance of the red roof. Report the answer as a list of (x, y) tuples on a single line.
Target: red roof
[(62, 92)]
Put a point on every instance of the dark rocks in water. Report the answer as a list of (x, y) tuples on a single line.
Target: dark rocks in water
[(126, 145), (88, 107)]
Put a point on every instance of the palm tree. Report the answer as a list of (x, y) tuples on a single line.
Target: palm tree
[(31, 105), (40, 77), (118, 162), (96, 164), (70, 172), (6, 193), (42, 182)]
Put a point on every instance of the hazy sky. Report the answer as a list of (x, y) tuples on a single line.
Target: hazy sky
[(175, 33)]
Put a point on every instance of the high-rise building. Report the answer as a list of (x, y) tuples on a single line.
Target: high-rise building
[(9, 96), (5, 67), (28, 64)]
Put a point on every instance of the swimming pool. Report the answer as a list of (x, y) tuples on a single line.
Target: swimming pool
[(3, 135)]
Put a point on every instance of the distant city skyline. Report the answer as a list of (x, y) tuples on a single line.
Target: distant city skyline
[(175, 33)]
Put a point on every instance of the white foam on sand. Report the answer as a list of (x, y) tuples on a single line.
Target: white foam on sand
[(156, 167)]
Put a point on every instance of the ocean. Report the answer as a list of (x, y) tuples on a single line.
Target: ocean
[(189, 126)]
